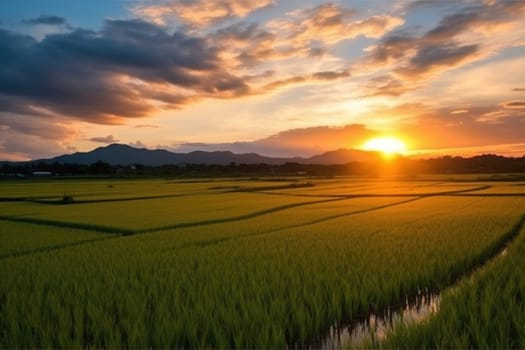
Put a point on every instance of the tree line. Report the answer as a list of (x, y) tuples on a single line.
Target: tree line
[(484, 164)]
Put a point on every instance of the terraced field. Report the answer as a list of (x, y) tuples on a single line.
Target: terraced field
[(238, 263)]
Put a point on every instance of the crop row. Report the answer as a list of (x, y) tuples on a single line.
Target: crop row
[(281, 287), (22, 238), (485, 312)]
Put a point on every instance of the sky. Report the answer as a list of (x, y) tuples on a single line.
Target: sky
[(276, 77)]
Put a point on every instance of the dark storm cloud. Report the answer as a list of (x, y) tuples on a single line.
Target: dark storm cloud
[(47, 20), (103, 76)]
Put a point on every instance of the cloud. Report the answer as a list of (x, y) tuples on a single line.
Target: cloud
[(304, 33), (426, 4), (330, 75), (385, 85), (445, 46), (138, 144), (481, 125), (459, 111), (124, 71), (295, 142), (322, 76), (486, 16), (143, 126), (104, 139), (518, 89), (248, 44), (47, 20), (20, 147), (128, 69), (25, 137), (514, 104), (45, 128), (199, 13), (331, 23), (437, 57), (392, 48)]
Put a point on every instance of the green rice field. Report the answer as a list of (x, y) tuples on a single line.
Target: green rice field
[(258, 263)]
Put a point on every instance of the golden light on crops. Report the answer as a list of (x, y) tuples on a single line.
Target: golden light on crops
[(388, 145)]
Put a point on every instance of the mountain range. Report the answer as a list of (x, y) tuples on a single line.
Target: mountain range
[(119, 154)]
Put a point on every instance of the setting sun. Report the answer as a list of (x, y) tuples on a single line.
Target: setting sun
[(386, 145)]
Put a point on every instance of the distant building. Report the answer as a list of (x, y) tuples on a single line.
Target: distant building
[(42, 173)]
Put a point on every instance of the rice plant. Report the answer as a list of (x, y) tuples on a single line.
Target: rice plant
[(256, 281)]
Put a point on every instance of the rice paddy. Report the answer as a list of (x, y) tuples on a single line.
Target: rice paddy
[(248, 263)]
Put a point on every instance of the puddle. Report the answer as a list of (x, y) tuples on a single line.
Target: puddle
[(372, 329), (376, 326)]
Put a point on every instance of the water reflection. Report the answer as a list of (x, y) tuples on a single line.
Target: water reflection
[(376, 326)]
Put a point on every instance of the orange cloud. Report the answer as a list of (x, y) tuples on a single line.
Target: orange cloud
[(330, 24), (446, 46), (293, 142), (199, 13), (459, 111), (386, 85), (323, 76), (436, 127), (143, 126), (514, 104), (301, 33)]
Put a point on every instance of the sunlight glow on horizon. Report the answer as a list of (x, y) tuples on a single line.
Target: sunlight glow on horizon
[(387, 145), (276, 78)]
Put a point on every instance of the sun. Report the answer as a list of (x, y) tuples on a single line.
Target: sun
[(388, 145)]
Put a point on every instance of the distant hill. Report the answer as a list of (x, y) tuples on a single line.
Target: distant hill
[(343, 156), (118, 154)]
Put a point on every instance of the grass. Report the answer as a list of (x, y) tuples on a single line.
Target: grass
[(252, 269)]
